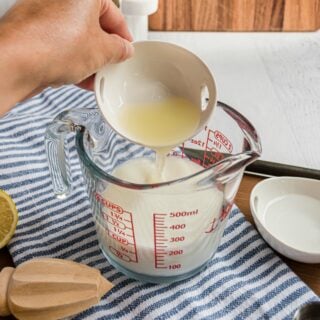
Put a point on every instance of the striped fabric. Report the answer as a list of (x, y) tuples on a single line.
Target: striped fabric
[(245, 279)]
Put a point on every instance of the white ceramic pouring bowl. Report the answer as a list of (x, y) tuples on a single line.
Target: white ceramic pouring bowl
[(156, 71)]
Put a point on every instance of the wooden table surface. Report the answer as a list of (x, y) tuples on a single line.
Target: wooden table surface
[(235, 15), (309, 273)]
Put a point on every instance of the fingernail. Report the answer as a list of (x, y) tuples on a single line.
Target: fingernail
[(129, 49), (130, 37)]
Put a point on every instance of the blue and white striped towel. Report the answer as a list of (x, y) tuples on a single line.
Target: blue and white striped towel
[(245, 279)]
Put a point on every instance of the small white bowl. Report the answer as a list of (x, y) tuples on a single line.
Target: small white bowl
[(286, 211), (157, 71)]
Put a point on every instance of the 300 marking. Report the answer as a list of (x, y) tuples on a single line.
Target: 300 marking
[(177, 239)]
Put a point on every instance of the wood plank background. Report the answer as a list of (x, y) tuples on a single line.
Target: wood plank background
[(236, 15)]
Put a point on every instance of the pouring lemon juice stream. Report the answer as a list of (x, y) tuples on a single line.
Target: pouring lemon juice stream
[(160, 125)]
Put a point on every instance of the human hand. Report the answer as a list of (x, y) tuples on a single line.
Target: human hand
[(56, 42)]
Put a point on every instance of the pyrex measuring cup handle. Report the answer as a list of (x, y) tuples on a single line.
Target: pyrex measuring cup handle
[(56, 146)]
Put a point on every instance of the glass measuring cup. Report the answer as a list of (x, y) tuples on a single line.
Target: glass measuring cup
[(161, 232)]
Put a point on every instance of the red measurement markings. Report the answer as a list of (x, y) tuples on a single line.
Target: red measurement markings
[(120, 254), (178, 214), (182, 151), (178, 152), (223, 140), (225, 210), (212, 152), (116, 223), (213, 226), (120, 229), (160, 240), (108, 204), (198, 142)]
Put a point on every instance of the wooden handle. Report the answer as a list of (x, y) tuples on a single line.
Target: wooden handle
[(50, 289), (5, 276)]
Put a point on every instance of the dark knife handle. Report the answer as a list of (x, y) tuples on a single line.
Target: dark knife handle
[(269, 168), (264, 168)]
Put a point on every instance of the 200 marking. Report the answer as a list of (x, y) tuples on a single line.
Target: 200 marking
[(175, 252)]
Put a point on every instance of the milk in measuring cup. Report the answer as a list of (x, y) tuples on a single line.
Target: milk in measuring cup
[(160, 232)]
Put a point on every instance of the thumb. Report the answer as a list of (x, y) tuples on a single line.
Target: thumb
[(115, 48)]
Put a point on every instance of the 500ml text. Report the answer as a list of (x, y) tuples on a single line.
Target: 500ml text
[(178, 214)]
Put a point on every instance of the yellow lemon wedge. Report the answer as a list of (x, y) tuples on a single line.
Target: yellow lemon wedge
[(8, 218)]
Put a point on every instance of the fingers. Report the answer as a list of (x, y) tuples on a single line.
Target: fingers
[(114, 41), (115, 49), (112, 20)]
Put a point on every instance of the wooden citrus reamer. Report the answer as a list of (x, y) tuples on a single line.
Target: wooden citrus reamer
[(50, 289)]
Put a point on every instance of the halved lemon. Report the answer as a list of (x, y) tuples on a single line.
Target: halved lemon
[(8, 218)]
